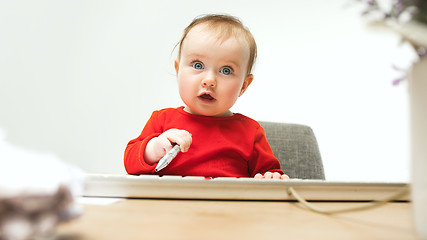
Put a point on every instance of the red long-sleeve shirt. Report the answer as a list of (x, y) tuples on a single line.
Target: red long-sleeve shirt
[(233, 146)]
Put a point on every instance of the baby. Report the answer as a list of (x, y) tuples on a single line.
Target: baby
[(213, 67)]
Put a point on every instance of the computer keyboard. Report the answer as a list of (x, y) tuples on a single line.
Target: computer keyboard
[(227, 188)]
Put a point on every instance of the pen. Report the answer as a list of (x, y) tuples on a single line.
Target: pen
[(167, 158)]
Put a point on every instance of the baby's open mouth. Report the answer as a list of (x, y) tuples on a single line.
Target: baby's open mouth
[(206, 96)]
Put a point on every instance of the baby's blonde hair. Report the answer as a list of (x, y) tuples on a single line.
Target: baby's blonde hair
[(227, 26)]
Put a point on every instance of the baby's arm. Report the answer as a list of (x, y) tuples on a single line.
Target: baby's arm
[(157, 147), (270, 175)]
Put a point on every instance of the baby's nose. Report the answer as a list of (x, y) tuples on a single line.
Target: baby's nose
[(209, 81)]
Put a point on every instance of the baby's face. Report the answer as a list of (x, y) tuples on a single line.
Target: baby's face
[(212, 74)]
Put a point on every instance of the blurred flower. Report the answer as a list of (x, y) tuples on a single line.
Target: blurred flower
[(400, 10), (37, 192), (407, 17)]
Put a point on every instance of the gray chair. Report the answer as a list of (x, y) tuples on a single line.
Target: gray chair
[(296, 148)]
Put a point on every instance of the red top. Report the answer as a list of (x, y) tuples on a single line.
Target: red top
[(233, 146)]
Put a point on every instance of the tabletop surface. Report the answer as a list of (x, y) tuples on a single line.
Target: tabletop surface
[(219, 219)]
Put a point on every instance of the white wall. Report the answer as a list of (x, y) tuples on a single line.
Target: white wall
[(80, 78)]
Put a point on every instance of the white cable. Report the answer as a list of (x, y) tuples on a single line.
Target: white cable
[(396, 196)]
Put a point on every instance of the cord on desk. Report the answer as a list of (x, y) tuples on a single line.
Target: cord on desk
[(312, 207)]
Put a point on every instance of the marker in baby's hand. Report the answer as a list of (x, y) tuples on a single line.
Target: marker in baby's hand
[(167, 158)]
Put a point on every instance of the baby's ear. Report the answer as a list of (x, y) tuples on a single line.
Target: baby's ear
[(176, 63), (248, 80)]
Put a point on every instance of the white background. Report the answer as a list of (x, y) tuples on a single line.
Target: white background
[(80, 78)]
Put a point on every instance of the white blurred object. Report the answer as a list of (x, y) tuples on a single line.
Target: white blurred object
[(37, 191), (417, 92)]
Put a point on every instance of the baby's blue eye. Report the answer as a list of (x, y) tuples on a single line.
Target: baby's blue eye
[(197, 65), (226, 71)]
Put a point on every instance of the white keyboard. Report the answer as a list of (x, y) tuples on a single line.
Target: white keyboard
[(177, 187)]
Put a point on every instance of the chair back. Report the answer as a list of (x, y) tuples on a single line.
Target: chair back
[(296, 147)]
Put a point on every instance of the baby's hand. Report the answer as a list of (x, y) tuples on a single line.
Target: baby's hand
[(159, 146), (270, 175)]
